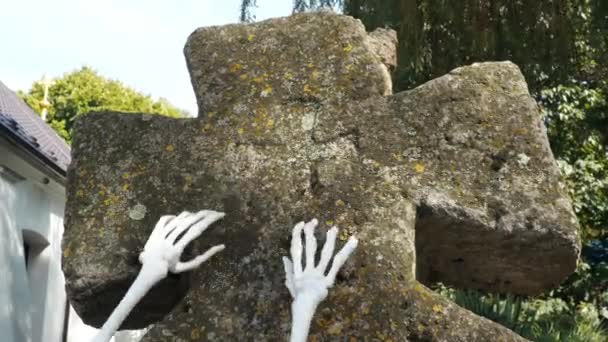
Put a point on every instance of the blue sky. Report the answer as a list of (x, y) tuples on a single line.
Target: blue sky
[(138, 42)]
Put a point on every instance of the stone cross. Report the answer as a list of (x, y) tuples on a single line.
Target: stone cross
[(452, 181)]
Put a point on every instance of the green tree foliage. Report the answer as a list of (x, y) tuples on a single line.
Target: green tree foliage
[(544, 38), (306, 5), (83, 91), (543, 320), (246, 14), (576, 116), (552, 41)]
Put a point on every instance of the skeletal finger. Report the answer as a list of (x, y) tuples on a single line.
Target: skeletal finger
[(289, 276), (189, 222), (160, 225), (175, 221), (196, 230), (311, 242), (328, 248), (296, 248), (186, 223), (196, 262), (340, 259), (162, 222)]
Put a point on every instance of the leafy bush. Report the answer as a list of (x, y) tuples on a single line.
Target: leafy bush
[(546, 320), (587, 286), (576, 117)]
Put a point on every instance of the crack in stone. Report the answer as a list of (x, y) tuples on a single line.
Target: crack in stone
[(315, 186)]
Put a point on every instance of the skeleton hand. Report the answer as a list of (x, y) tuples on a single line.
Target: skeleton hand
[(312, 281), (163, 249), (161, 254), (309, 286)]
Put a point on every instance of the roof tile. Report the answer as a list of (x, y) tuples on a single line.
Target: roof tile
[(18, 118)]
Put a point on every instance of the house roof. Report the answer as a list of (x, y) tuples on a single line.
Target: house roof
[(22, 125)]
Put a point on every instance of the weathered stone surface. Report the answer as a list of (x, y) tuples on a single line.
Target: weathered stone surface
[(452, 181), (384, 43)]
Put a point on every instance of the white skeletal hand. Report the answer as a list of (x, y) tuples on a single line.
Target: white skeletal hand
[(311, 282), (161, 254), (163, 249)]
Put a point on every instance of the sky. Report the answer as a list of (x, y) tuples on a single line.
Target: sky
[(138, 42)]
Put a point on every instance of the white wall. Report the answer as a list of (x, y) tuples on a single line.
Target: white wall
[(15, 320), (33, 300)]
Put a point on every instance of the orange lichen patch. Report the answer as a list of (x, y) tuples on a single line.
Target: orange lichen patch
[(241, 130), (520, 131), (187, 182), (422, 291), (288, 75), (169, 148), (125, 175), (344, 235), (307, 89), (315, 75), (125, 187), (250, 37), (262, 122), (348, 47), (335, 329), (195, 334), (419, 168), (234, 67), (310, 65), (139, 172), (322, 322), (66, 252), (79, 193), (421, 328), (267, 90), (383, 337), (261, 308), (437, 308), (206, 127), (329, 222), (112, 199), (243, 77), (339, 203)]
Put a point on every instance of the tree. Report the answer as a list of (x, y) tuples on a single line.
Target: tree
[(83, 91), (576, 116), (246, 15), (552, 41)]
